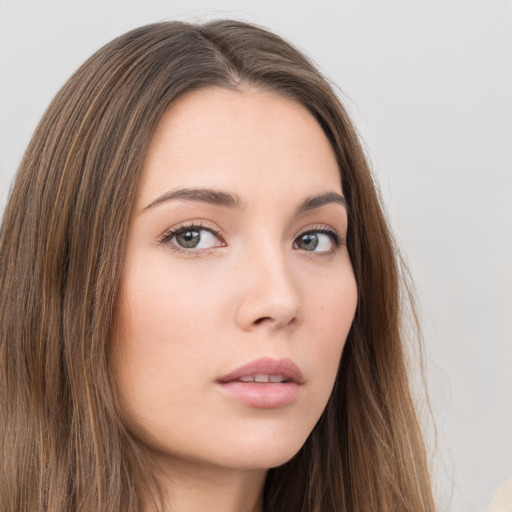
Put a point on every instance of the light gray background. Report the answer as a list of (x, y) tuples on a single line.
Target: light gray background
[(429, 84)]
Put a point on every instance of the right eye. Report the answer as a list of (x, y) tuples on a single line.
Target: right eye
[(192, 238)]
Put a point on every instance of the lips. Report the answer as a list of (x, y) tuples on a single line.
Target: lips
[(265, 383)]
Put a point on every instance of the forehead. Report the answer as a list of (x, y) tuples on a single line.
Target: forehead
[(247, 140)]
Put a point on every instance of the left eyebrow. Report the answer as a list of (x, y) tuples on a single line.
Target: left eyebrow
[(312, 202)]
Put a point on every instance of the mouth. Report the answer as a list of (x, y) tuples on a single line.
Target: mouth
[(265, 383), (260, 377)]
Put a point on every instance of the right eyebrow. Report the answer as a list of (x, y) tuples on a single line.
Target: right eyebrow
[(203, 195)]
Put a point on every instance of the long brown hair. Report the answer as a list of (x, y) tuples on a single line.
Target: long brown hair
[(62, 241)]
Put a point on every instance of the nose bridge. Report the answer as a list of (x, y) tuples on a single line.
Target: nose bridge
[(269, 293)]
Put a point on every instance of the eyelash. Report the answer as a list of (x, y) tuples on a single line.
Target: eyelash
[(166, 238), (333, 234)]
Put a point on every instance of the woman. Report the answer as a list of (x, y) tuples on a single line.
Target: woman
[(200, 294)]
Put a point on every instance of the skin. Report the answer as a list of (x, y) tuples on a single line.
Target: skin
[(254, 288)]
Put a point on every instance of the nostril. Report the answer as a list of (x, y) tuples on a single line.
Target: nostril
[(274, 321), (262, 319)]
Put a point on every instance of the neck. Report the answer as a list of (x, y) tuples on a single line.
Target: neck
[(197, 488)]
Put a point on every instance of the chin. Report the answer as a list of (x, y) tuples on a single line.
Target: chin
[(271, 454)]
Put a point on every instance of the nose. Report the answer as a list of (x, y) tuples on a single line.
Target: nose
[(269, 295)]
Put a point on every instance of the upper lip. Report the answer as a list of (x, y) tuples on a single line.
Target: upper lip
[(266, 366)]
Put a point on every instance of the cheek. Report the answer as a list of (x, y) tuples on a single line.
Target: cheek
[(331, 313), (159, 304), (160, 344)]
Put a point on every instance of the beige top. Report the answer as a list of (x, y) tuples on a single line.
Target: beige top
[(502, 499)]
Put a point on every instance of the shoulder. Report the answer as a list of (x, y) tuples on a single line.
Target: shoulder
[(502, 499)]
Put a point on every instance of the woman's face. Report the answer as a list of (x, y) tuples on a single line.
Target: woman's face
[(237, 291)]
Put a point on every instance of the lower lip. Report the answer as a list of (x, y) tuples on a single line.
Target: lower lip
[(262, 395)]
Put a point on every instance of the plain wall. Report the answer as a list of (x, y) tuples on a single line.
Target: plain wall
[(429, 84)]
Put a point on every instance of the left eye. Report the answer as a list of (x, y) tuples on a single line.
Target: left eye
[(315, 241), (194, 238)]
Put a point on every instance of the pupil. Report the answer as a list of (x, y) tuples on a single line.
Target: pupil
[(309, 241), (188, 239)]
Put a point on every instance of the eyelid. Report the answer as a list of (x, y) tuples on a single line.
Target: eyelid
[(197, 224), (338, 238)]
